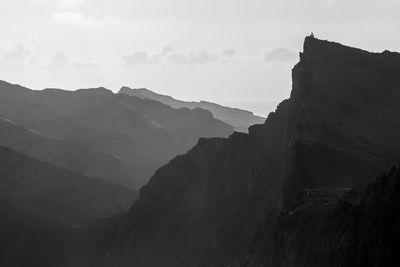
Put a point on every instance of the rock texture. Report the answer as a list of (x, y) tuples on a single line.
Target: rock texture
[(240, 119), (122, 139)]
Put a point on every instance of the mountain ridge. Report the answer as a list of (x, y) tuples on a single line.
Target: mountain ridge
[(142, 134), (240, 119), (63, 153)]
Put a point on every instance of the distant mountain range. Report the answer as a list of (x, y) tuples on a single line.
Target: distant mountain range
[(116, 137), (69, 158), (240, 119)]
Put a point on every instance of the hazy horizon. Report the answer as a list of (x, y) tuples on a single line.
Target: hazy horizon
[(236, 53)]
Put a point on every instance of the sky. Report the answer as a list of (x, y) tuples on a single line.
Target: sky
[(233, 52)]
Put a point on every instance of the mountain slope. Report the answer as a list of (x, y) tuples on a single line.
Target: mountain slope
[(41, 205), (57, 195), (339, 128), (240, 119), (67, 154), (142, 134)]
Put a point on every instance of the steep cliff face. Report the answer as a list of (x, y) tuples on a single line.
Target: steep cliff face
[(344, 103), (201, 209), (219, 203), (347, 116)]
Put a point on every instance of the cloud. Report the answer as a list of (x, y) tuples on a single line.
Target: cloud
[(58, 61), (167, 54), (193, 57), (86, 64), (18, 53), (139, 58), (14, 58), (143, 57), (201, 57), (229, 53), (166, 50), (280, 54)]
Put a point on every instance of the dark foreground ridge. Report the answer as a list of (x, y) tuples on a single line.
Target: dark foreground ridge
[(230, 201), (42, 204)]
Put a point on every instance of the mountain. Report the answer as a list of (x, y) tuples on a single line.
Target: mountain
[(41, 204), (240, 119), (64, 153), (116, 137), (220, 204), (57, 195)]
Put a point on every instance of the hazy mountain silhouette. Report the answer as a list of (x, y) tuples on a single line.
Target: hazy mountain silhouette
[(221, 203), (65, 153), (116, 137), (240, 119)]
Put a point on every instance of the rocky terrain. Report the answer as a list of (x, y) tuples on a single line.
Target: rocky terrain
[(240, 119)]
